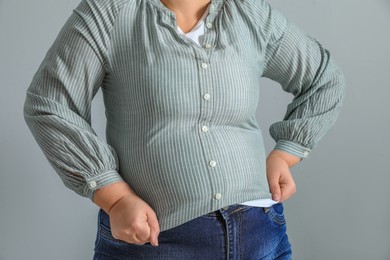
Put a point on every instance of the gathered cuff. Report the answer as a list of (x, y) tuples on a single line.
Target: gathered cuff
[(99, 181), (293, 148)]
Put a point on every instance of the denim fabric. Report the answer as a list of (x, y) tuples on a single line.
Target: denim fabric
[(235, 232)]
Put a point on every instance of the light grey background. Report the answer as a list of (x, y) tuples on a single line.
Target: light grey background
[(341, 209)]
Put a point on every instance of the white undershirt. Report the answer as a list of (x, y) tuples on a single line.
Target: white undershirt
[(197, 35)]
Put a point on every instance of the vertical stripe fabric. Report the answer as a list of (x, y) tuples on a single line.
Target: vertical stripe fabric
[(181, 126)]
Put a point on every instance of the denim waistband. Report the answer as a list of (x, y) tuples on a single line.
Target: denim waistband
[(228, 210)]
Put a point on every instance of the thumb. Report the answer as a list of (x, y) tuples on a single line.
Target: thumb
[(275, 187), (154, 228)]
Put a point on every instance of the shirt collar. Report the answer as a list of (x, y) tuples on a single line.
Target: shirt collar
[(214, 7)]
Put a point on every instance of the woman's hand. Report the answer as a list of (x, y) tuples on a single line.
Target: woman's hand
[(279, 177), (134, 221), (131, 219)]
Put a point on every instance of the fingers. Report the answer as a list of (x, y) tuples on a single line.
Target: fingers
[(282, 186), (280, 180), (287, 186), (273, 182), (154, 229), (288, 189), (134, 234), (145, 231), (140, 233), (132, 220)]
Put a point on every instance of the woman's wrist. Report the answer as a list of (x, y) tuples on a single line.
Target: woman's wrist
[(107, 196), (290, 159)]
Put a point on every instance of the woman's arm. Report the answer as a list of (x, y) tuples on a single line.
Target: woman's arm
[(57, 107), (306, 69), (57, 110)]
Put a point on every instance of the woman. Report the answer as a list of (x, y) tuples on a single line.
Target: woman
[(183, 174)]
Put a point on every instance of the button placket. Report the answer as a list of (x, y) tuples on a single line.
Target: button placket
[(212, 163), (207, 45), (209, 32), (204, 58), (205, 129)]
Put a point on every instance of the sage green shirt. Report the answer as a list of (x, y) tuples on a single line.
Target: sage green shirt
[(181, 125)]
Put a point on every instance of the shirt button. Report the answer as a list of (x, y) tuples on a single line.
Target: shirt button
[(208, 45), (218, 196), (205, 128), (305, 153), (209, 25), (206, 96), (92, 184), (212, 163), (204, 65)]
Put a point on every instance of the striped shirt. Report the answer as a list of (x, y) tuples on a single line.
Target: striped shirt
[(181, 127), (197, 35)]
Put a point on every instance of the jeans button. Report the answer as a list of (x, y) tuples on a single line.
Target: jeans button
[(225, 208)]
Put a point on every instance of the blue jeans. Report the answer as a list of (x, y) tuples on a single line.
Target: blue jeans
[(235, 232)]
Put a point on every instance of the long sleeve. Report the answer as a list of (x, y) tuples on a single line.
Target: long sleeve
[(57, 108), (306, 69)]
